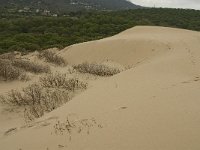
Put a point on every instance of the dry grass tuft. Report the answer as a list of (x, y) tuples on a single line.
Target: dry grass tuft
[(9, 72), (97, 69), (24, 77), (13, 68), (61, 81), (30, 66), (52, 91), (52, 57), (43, 100), (9, 56), (36, 99), (14, 98)]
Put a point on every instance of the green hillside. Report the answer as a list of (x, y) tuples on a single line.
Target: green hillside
[(67, 5), (28, 33)]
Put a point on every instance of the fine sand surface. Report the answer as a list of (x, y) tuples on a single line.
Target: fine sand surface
[(154, 105)]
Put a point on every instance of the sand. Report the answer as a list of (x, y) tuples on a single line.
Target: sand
[(154, 105)]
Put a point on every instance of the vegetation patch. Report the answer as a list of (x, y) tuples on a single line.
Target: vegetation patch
[(26, 32), (36, 100), (30, 66), (52, 57), (97, 69), (49, 93), (9, 72), (72, 125), (9, 56), (59, 80), (13, 67)]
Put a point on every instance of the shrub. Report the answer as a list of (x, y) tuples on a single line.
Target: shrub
[(36, 99), (30, 66), (29, 96), (14, 97), (9, 72), (52, 57), (9, 56), (53, 91), (97, 69), (73, 84), (61, 81), (24, 77), (41, 100)]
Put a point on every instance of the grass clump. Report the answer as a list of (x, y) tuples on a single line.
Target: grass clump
[(14, 97), (61, 81), (30, 66), (52, 57), (9, 72), (43, 100), (52, 91), (36, 99), (12, 68), (9, 56), (97, 69)]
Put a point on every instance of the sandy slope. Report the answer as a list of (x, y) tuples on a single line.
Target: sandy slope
[(153, 106), (10, 117)]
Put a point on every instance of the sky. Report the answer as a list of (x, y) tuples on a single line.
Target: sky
[(194, 4)]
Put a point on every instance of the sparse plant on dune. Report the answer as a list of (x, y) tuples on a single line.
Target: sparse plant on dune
[(52, 57), (14, 97), (30, 66), (97, 69), (9, 72), (43, 100), (72, 125), (9, 56), (24, 77), (29, 96), (36, 99), (61, 81), (12, 68), (49, 93), (53, 80), (73, 84)]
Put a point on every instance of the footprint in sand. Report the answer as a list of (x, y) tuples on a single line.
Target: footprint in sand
[(197, 79)]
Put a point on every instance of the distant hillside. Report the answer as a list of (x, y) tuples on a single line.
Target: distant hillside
[(28, 33), (69, 5)]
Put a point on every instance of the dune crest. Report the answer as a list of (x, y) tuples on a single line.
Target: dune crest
[(153, 105)]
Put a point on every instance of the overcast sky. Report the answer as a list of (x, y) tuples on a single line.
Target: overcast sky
[(194, 4)]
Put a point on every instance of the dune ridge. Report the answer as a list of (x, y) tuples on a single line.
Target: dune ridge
[(152, 105)]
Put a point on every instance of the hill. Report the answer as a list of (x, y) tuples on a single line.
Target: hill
[(24, 32), (68, 5), (152, 105)]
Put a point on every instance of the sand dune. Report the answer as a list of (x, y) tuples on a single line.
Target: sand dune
[(131, 46), (152, 106)]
